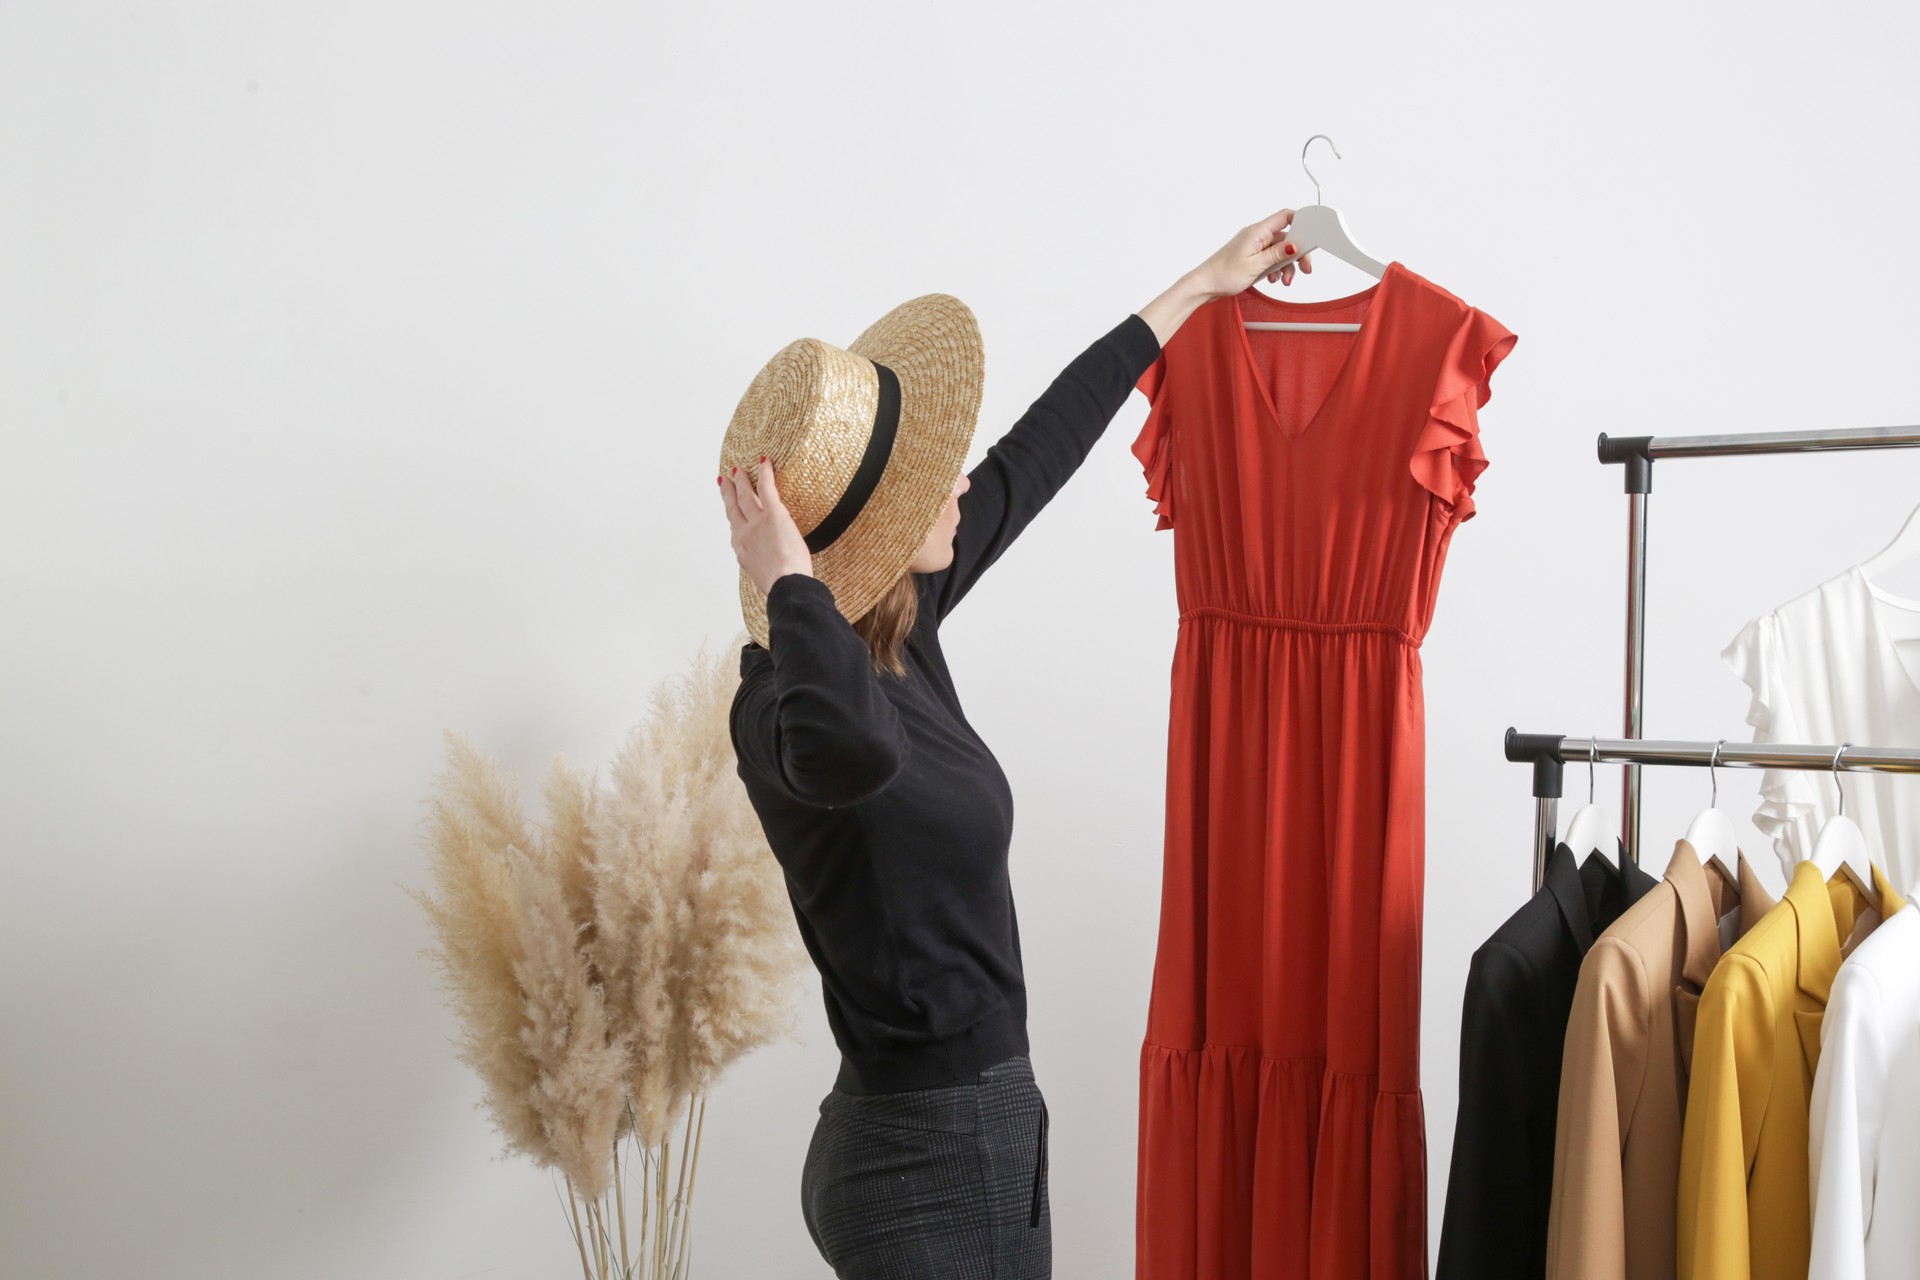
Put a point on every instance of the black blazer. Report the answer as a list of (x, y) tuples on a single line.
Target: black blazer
[(1513, 1028)]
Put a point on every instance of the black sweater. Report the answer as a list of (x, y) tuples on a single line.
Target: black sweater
[(889, 816)]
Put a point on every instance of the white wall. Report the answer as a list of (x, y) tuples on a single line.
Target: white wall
[(362, 367)]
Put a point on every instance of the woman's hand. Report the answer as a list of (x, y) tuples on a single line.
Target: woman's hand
[(1258, 250), (766, 541), (1255, 251)]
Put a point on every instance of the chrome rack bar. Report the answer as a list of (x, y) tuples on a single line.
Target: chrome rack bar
[(1548, 752), (1726, 446), (1637, 455)]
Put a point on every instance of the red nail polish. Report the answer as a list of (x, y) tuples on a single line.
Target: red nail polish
[(733, 471), (1289, 248), (763, 457)]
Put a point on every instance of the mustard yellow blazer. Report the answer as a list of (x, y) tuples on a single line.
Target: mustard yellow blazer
[(1744, 1199)]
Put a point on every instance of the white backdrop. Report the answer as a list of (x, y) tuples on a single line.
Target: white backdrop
[(362, 372)]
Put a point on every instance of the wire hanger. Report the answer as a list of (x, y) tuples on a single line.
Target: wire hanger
[(1841, 843), (1712, 833), (1586, 832), (1905, 545), (1319, 228)]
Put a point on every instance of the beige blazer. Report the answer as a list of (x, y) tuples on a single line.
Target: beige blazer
[(1623, 1083)]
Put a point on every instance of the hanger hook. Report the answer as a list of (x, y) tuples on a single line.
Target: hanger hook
[(1713, 775), (1836, 777), (1303, 164), (1593, 744)]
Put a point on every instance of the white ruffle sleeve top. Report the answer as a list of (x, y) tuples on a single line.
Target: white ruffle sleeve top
[(1839, 663)]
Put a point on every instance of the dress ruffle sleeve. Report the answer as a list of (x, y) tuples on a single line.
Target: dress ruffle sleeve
[(1447, 457), (1154, 445), (1787, 813)]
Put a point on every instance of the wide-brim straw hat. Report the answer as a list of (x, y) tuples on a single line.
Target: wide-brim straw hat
[(866, 442)]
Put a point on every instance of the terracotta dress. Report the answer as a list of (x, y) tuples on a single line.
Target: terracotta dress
[(1313, 482)]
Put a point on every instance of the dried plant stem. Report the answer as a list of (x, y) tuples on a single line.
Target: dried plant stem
[(620, 1196), (662, 1231), (573, 1202), (606, 1242), (686, 1233), (685, 1143), (646, 1203), (679, 1195)]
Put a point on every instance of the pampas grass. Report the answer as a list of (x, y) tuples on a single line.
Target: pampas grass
[(606, 967)]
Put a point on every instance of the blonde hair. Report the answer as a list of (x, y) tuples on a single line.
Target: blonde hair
[(885, 627)]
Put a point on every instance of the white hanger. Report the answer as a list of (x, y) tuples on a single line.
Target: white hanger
[(1905, 545), (1319, 228), (1587, 831), (1842, 846), (1840, 837), (1712, 833)]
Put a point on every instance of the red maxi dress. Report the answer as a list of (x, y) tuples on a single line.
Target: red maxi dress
[(1313, 482)]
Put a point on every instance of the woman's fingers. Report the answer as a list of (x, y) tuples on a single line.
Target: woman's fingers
[(743, 501), (769, 488), (1271, 228), (1284, 273), (750, 505), (730, 499)]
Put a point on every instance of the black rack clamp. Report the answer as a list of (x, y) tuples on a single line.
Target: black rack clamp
[(1633, 452), (1543, 750)]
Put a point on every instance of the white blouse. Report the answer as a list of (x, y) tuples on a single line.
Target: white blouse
[(1840, 663)]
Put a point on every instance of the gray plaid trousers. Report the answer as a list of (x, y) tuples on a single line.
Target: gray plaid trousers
[(947, 1183)]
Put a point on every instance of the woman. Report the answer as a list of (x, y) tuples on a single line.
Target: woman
[(889, 816)]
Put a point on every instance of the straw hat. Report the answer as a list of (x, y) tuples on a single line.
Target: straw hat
[(866, 442)]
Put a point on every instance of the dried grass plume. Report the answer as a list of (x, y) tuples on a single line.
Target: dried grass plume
[(606, 967)]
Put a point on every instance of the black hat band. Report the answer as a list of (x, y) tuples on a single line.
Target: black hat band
[(886, 424)]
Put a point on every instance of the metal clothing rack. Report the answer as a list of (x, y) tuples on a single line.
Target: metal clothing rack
[(1637, 454), (1550, 752)]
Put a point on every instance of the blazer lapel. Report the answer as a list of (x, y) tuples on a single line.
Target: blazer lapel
[(1569, 894), (1689, 881), (1701, 945), (1814, 904)]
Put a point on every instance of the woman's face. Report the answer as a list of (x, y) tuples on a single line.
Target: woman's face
[(936, 552)]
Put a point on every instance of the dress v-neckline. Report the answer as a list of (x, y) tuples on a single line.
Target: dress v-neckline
[(1360, 340)]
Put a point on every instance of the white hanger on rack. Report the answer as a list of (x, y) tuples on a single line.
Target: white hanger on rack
[(1905, 545), (1712, 833), (1841, 847), (1319, 228), (1587, 831)]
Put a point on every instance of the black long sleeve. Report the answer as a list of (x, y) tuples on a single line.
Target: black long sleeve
[(821, 728), (889, 816), (1039, 453)]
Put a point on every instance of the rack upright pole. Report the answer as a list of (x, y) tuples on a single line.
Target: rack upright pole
[(1636, 663), (1639, 486)]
